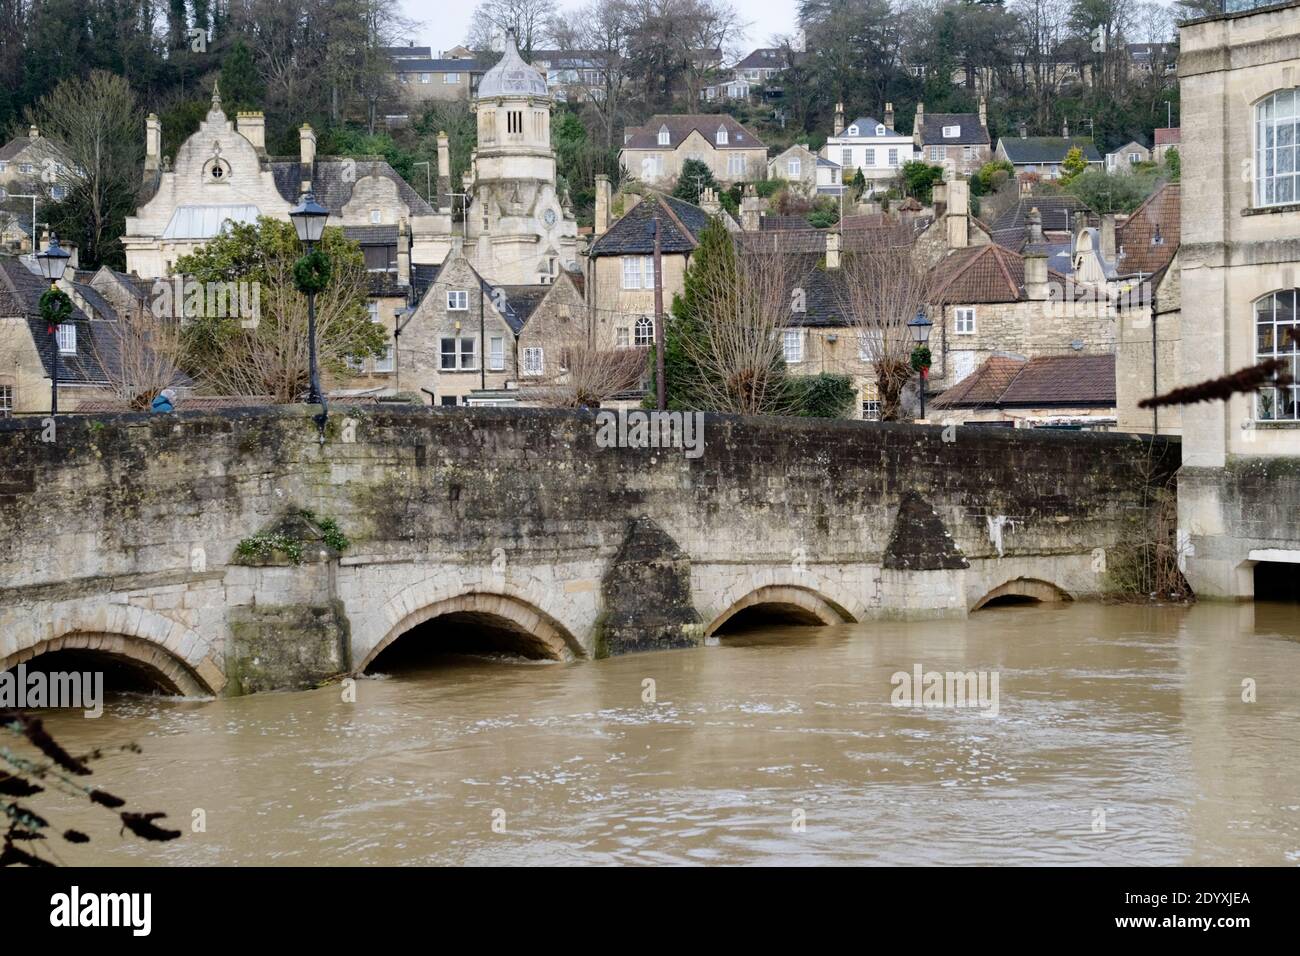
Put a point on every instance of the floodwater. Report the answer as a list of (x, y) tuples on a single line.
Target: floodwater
[(1121, 737)]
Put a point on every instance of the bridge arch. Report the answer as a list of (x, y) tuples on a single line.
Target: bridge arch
[(155, 664), (534, 632), (801, 605), (1026, 590)]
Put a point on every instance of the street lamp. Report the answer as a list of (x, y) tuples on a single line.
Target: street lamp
[(53, 260), (920, 328), (308, 219)]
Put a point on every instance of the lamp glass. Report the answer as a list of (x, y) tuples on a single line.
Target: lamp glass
[(920, 327), (309, 218), (54, 260)]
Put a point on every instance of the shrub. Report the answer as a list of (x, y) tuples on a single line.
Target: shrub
[(820, 396)]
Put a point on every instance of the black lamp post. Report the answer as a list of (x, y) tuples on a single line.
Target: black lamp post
[(920, 328), (53, 261), (309, 220)]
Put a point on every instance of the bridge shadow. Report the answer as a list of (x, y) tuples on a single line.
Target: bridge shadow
[(778, 606), (451, 638), (1021, 591), (127, 665)]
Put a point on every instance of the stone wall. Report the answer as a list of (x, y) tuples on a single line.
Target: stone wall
[(131, 526)]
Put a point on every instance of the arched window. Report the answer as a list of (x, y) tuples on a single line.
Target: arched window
[(1277, 335), (1277, 118), (722, 136), (664, 138), (645, 332)]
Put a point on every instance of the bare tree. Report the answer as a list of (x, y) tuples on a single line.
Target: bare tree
[(884, 286), (140, 353), (583, 369), (528, 19)]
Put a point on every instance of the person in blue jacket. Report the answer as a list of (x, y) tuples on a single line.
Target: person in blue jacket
[(164, 401)]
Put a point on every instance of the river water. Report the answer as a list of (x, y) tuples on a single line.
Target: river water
[(1121, 738)]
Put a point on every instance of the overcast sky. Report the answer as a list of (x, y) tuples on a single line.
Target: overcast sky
[(443, 25)]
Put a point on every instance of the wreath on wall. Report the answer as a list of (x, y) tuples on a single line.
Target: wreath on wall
[(311, 273), (56, 308), (921, 359)]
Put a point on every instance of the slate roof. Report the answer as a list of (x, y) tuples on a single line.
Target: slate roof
[(982, 274), (333, 180), (20, 296), (1057, 212), (769, 58), (523, 300), (1161, 211), (682, 125), (372, 235), (824, 295), (437, 66), (1055, 380), (403, 52), (972, 132), (102, 308), (1024, 150), (680, 227)]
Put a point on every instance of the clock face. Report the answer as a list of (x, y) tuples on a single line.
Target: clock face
[(550, 217)]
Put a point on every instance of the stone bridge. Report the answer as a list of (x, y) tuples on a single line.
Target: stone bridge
[(204, 549)]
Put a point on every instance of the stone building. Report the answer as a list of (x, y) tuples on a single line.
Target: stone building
[(1043, 156), (806, 171), (31, 165), (959, 142), (655, 153), (1074, 391), (1239, 489)]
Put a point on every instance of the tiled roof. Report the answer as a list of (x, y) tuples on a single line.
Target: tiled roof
[(1061, 380), (1169, 136), (972, 132), (1161, 212), (985, 385), (987, 273), (1057, 213), (1047, 149), (680, 227), (682, 125), (372, 235)]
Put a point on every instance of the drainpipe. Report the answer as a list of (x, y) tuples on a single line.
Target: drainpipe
[(1155, 389), (482, 343)]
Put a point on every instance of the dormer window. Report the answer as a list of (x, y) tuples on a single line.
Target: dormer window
[(1157, 239), (722, 136), (664, 136), (853, 131), (880, 129), (951, 132)]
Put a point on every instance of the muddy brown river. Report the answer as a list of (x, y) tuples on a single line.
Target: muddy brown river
[(1121, 737)]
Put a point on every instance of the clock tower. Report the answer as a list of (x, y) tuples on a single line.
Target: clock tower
[(518, 228)]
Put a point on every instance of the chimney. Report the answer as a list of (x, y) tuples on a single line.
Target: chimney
[(306, 155), (1108, 236), (832, 249), (889, 117), (403, 252), (604, 200), (917, 123), (1024, 130), (839, 118), (152, 143), (33, 133), (709, 201), (444, 172), (958, 214), (1036, 289), (984, 112), (1034, 227), (752, 208), (939, 197), (252, 126)]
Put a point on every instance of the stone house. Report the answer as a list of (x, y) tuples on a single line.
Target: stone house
[(959, 142), (870, 146), (806, 171), (1127, 156), (1166, 138), (85, 343), (425, 78), (655, 153), (1043, 156), (1057, 391), (620, 278), (1238, 490)]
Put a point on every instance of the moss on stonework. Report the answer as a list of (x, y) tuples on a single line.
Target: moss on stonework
[(285, 541)]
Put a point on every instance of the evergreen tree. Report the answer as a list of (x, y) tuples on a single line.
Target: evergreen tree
[(241, 87), (695, 177)]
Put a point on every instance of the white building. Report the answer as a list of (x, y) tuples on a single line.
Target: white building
[(870, 146)]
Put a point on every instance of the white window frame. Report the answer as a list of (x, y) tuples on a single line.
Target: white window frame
[(846, 157), (937, 153), (721, 136), (853, 131), (736, 164), (638, 272), (1270, 155), (622, 337), (67, 338), (534, 361), (893, 158), (6, 401), (869, 157), (963, 317), (376, 216), (794, 168), (665, 137), (880, 129), (643, 332), (497, 353), (952, 132), (451, 79), (457, 300), (384, 363), (424, 77), (792, 346)]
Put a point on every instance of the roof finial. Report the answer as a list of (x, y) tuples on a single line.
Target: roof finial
[(216, 96)]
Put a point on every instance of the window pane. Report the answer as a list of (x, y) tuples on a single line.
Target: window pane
[(448, 353)]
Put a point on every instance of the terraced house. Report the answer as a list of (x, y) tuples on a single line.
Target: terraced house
[(655, 153)]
